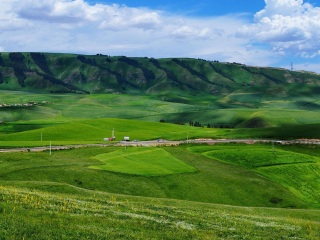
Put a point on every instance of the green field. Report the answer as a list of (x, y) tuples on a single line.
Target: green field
[(37, 214), (266, 118), (298, 172), (142, 161), (61, 196), (223, 191)]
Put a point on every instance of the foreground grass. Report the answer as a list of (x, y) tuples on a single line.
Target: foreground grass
[(213, 182), (34, 214), (59, 196)]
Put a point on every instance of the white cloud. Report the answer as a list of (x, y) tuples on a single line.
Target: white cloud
[(118, 18), (312, 67), (60, 11), (290, 26), (5, 8), (76, 26)]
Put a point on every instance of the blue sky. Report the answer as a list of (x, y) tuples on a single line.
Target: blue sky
[(194, 7), (254, 32)]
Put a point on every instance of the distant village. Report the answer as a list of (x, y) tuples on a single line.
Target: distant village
[(23, 105)]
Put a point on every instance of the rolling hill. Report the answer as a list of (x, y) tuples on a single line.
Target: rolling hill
[(170, 78)]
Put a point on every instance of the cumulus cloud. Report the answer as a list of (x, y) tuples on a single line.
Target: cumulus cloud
[(79, 27), (121, 17), (78, 12), (290, 26), (61, 11)]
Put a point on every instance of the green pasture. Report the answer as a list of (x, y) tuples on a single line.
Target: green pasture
[(83, 214), (263, 157), (240, 111), (95, 130), (213, 182), (141, 192), (294, 170), (142, 161), (62, 131)]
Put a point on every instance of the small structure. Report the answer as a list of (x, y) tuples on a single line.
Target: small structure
[(127, 139), (112, 137)]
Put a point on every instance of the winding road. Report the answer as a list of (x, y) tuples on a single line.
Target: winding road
[(162, 143)]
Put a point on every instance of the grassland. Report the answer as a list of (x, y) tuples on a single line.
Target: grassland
[(298, 172), (275, 111), (141, 161), (213, 182), (92, 215), (90, 118), (60, 196), (186, 192)]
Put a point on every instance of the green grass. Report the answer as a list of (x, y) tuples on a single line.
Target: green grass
[(38, 214), (142, 161), (298, 172), (58, 196), (234, 110), (302, 179), (64, 131), (255, 157), (213, 182), (96, 130)]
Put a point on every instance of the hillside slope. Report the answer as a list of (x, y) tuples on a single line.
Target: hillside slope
[(44, 72)]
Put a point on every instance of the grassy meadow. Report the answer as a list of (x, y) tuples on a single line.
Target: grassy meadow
[(222, 191), (61, 196), (141, 161), (295, 170), (39, 214), (81, 118)]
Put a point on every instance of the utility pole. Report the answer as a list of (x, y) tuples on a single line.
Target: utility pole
[(113, 137)]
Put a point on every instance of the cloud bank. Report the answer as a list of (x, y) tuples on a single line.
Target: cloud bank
[(283, 27), (290, 26)]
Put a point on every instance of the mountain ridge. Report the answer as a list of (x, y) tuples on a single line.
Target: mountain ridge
[(65, 73)]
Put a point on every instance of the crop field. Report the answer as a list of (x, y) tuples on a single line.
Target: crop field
[(298, 172), (141, 161)]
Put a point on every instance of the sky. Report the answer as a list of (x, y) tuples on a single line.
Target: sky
[(262, 33)]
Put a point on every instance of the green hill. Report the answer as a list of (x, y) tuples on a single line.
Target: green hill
[(208, 93), (170, 78)]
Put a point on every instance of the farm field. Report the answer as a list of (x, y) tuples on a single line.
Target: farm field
[(296, 171), (142, 161), (219, 200)]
